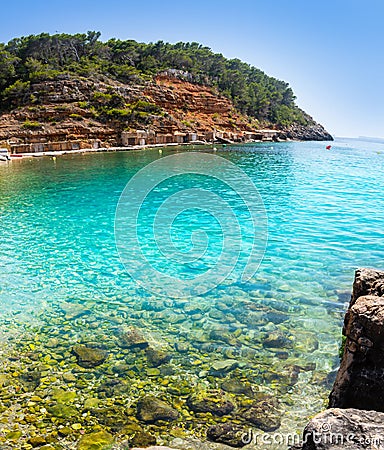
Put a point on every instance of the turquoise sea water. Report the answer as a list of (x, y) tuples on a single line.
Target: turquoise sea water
[(325, 213)]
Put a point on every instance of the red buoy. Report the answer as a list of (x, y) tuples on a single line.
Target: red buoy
[(328, 147)]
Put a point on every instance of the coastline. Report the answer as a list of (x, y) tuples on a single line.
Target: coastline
[(202, 145)]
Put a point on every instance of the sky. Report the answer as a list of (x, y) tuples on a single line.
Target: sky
[(329, 51)]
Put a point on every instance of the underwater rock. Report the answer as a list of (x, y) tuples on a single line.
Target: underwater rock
[(224, 366), (37, 441), (277, 340), (227, 433), (151, 409), (68, 377), (73, 310), (133, 338), (237, 387), (101, 440), (306, 342), (112, 388), (156, 357), (183, 347), (114, 417), (31, 379), (276, 317), (223, 336), (62, 396), (359, 381), (91, 403), (62, 411), (179, 388), (210, 400), (142, 439), (263, 413), (89, 357)]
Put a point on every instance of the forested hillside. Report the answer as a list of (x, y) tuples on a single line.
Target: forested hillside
[(27, 62)]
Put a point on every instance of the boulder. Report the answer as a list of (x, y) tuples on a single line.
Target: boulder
[(101, 440), (227, 433), (89, 357), (367, 282), (358, 382), (213, 401), (156, 358), (133, 338), (150, 409), (263, 413), (346, 429)]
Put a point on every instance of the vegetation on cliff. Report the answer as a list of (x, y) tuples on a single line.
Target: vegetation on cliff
[(43, 57)]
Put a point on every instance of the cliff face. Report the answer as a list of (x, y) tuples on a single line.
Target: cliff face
[(70, 108), (356, 415), (359, 382)]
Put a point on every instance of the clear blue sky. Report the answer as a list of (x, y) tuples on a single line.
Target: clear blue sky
[(329, 51)]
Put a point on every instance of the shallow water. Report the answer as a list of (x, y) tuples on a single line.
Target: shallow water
[(325, 213)]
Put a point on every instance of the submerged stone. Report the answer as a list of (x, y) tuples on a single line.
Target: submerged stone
[(151, 409), (62, 396), (74, 310), (133, 338), (224, 366), (142, 439), (263, 413), (237, 387), (89, 357), (182, 347), (227, 433), (31, 379), (210, 400), (101, 440), (156, 357), (37, 441)]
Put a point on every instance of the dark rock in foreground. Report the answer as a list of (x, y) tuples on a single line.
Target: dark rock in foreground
[(151, 409), (211, 400), (263, 413), (156, 357), (359, 382), (227, 433), (347, 429)]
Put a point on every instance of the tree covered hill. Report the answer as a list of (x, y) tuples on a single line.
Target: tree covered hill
[(35, 59)]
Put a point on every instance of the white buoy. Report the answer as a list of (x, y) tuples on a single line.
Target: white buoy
[(160, 151)]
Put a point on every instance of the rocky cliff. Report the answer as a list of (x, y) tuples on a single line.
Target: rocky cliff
[(355, 419), (90, 109)]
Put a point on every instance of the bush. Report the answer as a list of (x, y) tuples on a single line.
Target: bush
[(76, 116), (31, 125)]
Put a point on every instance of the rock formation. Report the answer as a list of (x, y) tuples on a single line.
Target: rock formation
[(355, 419), (90, 110), (347, 429), (359, 382)]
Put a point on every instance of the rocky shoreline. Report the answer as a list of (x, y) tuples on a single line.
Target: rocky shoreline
[(355, 418)]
